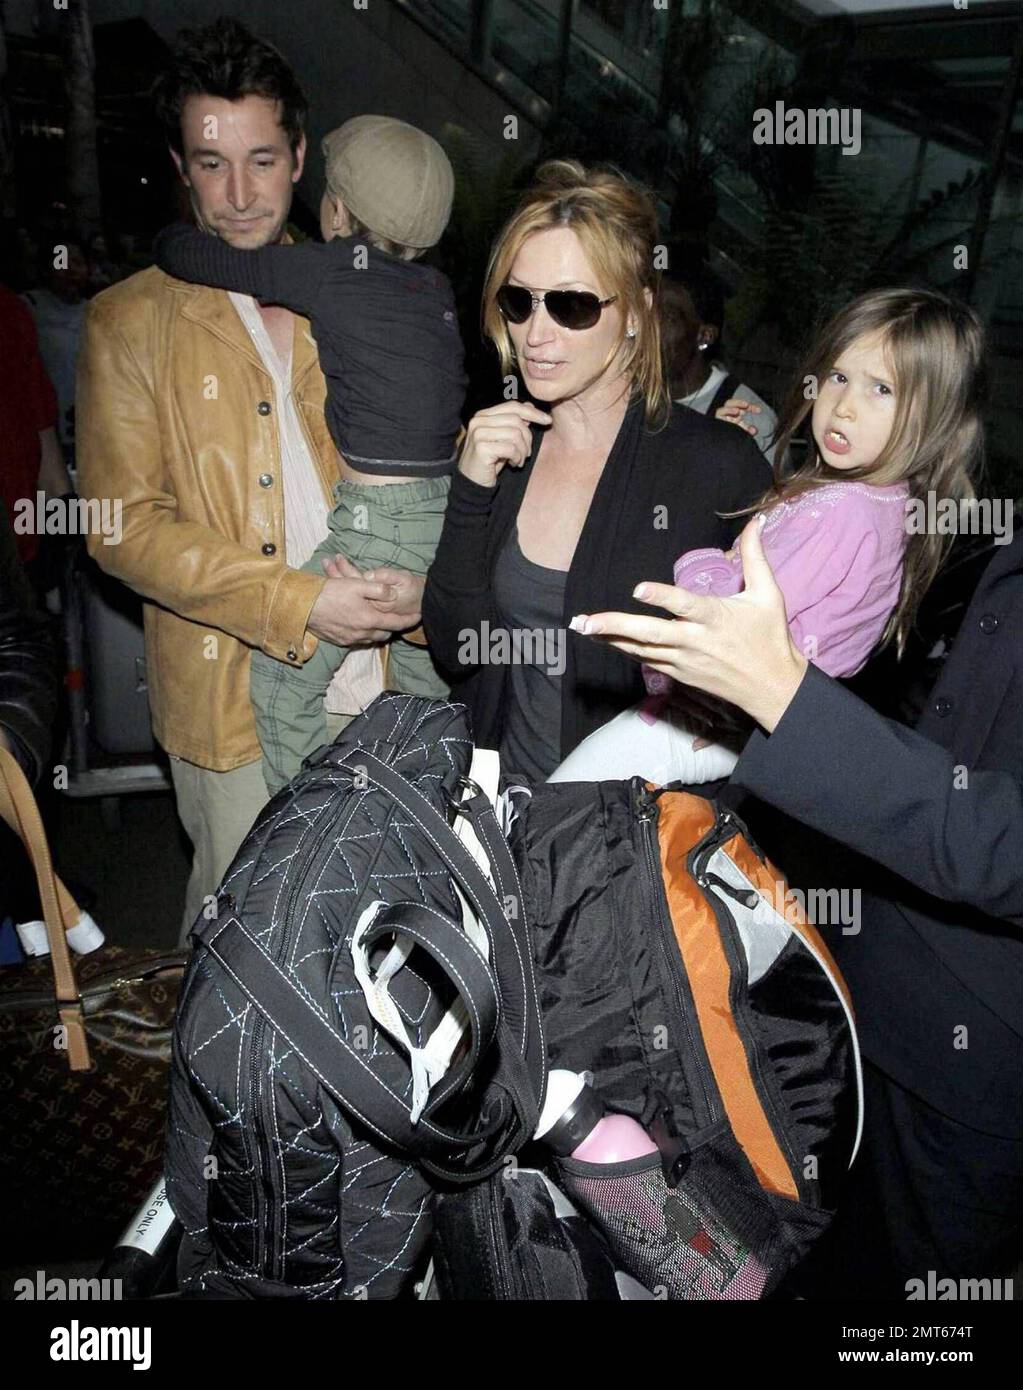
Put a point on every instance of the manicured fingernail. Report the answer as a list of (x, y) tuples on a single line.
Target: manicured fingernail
[(640, 591), (578, 623)]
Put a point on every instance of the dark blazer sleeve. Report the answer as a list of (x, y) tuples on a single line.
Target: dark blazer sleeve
[(28, 680), (892, 795), (457, 594), (288, 275)]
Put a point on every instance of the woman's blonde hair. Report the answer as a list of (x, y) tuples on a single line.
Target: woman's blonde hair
[(936, 348), (616, 223)]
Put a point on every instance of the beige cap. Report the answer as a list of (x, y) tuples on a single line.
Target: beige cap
[(394, 178)]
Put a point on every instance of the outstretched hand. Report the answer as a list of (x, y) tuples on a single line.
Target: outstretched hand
[(737, 649)]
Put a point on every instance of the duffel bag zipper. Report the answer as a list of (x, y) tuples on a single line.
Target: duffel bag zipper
[(693, 1058), (492, 1196), (256, 1095), (710, 884), (742, 896)]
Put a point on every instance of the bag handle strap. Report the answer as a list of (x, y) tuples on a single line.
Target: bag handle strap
[(513, 1110), (510, 949), (515, 969), (317, 1041), (475, 1015), (60, 911)]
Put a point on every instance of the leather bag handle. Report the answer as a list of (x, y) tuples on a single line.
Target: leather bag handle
[(60, 911)]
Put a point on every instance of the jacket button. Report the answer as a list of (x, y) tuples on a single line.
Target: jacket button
[(942, 707), (264, 407), (269, 548), (989, 623), (292, 654), (266, 480)]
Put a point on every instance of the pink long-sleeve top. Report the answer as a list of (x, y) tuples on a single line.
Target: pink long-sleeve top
[(836, 552)]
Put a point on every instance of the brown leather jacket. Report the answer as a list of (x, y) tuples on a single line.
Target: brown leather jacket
[(175, 420)]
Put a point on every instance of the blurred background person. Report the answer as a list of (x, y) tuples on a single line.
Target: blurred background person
[(103, 269), (692, 320), (57, 306), (30, 452)]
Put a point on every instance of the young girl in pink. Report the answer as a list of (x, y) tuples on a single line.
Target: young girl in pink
[(895, 383)]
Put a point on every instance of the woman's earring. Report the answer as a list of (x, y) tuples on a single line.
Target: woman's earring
[(630, 333), (702, 347)]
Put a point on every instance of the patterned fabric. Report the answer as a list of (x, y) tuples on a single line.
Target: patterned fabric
[(81, 1149), (281, 1191), (667, 1238)]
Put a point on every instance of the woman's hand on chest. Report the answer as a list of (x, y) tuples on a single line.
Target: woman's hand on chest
[(498, 436)]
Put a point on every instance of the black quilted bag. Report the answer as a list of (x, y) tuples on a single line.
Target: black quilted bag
[(303, 1143)]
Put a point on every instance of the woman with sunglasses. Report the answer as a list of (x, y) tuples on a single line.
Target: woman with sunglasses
[(563, 503)]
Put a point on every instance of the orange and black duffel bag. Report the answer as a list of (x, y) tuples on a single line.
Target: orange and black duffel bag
[(677, 968)]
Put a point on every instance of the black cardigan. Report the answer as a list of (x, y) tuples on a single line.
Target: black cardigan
[(656, 498)]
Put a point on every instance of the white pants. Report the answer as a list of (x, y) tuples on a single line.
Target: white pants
[(660, 752)]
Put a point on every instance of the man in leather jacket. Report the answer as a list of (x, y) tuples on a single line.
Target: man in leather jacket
[(200, 417)]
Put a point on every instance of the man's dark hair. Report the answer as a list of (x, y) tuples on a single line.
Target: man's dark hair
[(225, 60)]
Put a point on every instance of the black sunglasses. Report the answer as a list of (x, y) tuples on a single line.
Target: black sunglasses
[(575, 309)]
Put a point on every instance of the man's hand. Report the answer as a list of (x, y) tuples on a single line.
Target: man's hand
[(407, 594), (354, 610), (402, 607), (738, 649)]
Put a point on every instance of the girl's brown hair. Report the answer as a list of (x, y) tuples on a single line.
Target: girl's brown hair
[(936, 348), (616, 223)]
